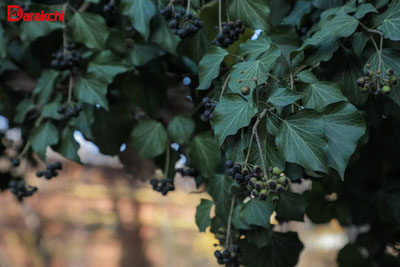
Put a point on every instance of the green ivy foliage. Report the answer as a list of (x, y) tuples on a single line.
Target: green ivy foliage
[(288, 98)]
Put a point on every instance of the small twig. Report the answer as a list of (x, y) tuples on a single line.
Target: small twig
[(260, 116), (291, 86), (65, 41), (228, 231), (227, 10), (25, 149), (248, 151), (70, 86), (239, 57), (167, 159), (224, 86), (84, 6), (219, 14), (273, 78), (188, 7)]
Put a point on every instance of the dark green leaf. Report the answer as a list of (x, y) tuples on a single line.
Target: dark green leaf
[(89, 29), (291, 206), (106, 66), (181, 128), (91, 89), (257, 212), (68, 146), (390, 21), (140, 13), (204, 153), (301, 140), (231, 113), (209, 66), (253, 13), (306, 76), (364, 9), (320, 94), (150, 139), (43, 136), (203, 210), (44, 86), (282, 97)]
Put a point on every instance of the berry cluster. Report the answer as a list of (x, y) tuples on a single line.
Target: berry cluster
[(242, 175), (371, 80), (163, 185), (227, 257), (209, 106), (70, 111), (66, 59), (229, 33), (182, 23), (187, 171), (110, 8), (272, 185), (51, 170), (20, 190)]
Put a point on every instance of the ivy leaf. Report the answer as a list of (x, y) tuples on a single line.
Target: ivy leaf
[(259, 68), (260, 237), (257, 212), (231, 113), (92, 90), (346, 76), (236, 221), (390, 21), (163, 36), (203, 210), (89, 29), (68, 146), (107, 66), (181, 128), (251, 12), (220, 188), (84, 121), (291, 207), (344, 125), (204, 153), (272, 156), (32, 30), (358, 42), (150, 139), (326, 4), (320, 94), (301, 8), (209, 66), (140, 13), (306, 76), (272, 124), (283, 250), (22, 110), (141, 54), (44, 86), (364, 9), (49, 110), (43, 136), (282, 97), (301, 140), (252, 49)]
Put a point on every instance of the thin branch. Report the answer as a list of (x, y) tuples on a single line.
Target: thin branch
[(291, 86), (219, 14), (273, 78), (228, 231), (248, 151), (188, 7), (227, 10), (167, 159), (70, 87), (25, 149), (260, 116), (239, 57), (224, 86), (84, 6), (200, 104)]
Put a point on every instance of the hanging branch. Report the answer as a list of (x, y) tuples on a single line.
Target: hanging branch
[(260, 116)]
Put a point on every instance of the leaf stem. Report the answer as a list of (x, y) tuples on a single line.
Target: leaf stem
[(219, 14), (188, 7), (224, 86), (376, 47), (239, 57), (167, 159), (200, 104), (227, 10), (228, 231), (84, 6), (260, 116), (25, 149), (248, 151), (70, 86), (273, 77)]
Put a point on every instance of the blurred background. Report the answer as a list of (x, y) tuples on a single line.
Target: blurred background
[(102, 214)]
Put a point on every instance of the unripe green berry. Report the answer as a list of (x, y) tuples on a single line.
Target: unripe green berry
[(386, 89), (276, 171), (283, 180), (263, 194), (275, 198), (254, 193), (392, 80), (252, 181), (271, 184), (361, 81), (390, 72), (280, 189)]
